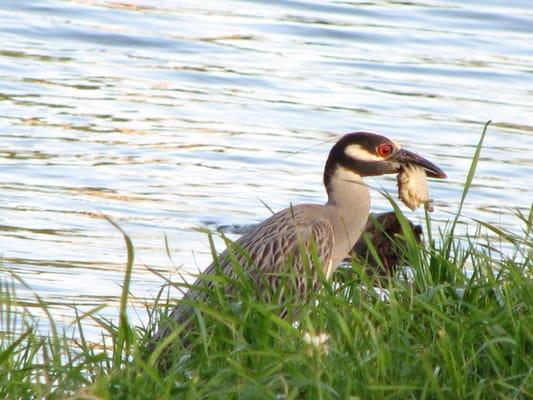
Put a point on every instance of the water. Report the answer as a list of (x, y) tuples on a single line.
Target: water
[(172, 116)]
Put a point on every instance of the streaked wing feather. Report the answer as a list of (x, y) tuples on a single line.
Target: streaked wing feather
[(266, 250)]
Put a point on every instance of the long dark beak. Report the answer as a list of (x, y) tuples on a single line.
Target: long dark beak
[(406, 157)]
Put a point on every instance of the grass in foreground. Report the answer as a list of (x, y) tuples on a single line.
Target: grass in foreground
[(460, 328)]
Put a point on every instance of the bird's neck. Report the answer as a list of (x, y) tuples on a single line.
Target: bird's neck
[(346, 188), (350, 196)]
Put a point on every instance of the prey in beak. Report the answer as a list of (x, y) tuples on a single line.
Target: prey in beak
[(406, 157), (412, 182)]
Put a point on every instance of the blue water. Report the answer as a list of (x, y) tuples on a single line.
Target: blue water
[(171, 116)]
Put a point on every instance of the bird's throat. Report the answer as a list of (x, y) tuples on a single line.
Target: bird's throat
[(345, 188)]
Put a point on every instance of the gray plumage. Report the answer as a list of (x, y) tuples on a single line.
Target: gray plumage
[(275, 245), (264, 251)]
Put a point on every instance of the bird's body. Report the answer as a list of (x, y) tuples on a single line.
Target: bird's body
[(285, 235), (282, 241)]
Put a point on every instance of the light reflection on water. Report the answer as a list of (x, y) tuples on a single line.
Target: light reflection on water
[(172, 117)]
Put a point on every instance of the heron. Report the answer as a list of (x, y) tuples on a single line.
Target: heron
[(275, 245)]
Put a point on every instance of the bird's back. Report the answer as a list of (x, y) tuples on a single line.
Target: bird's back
[(276, 246)]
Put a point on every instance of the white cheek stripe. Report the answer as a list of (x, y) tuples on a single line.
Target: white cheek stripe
[(360, 153)]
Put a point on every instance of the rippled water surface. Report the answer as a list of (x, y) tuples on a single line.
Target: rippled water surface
[(171, 116)]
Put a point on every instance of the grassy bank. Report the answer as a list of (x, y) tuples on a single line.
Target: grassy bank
[(460, 327)]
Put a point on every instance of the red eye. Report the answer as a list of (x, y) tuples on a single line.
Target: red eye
[(385, 150)]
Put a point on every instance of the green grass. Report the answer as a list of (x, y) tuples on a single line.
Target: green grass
[(462, 327)]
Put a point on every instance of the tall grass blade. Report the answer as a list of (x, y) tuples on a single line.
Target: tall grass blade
[(467, 185), (123, 338)]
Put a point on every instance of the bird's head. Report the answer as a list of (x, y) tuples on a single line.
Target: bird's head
[(370, 154)]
